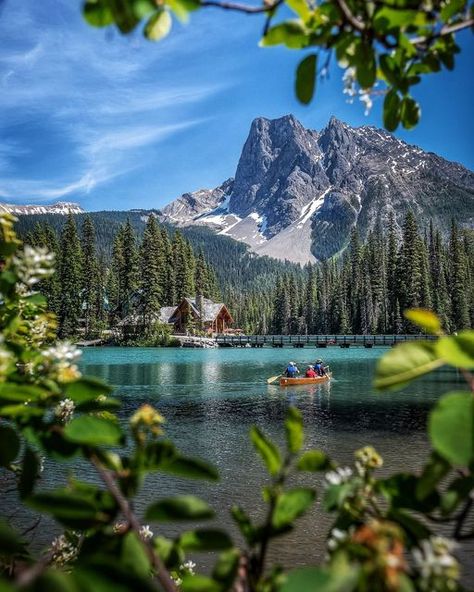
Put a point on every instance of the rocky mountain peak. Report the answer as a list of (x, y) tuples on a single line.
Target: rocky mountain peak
[(298, 193)]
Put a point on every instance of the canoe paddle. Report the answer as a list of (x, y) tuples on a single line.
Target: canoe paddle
[(273, 379)]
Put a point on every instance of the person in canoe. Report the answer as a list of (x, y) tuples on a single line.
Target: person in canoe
[(292, 370), (319, 368), (310, 373)]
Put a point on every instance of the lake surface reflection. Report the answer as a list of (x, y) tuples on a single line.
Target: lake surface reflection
[(210, 398)]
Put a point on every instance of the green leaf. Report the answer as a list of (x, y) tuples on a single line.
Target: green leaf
[(180, 507), (457, 350), (300, 7), (10, 542), (388, 19), (159, 25), (244, 523), (292, 504), (70, 509), (54, 580), (199, 583), (97, 13), (205, 540), (192, 468), (143, 8), (93, 431), (226, 567), (391, 110), (9, 445), (458, 490), (267, 450), (30, 471), (414, 529), (405, 362), (364, 59), (401, 492), (436, 468), (451, 8), (86, 389), (182, 8), (305, 81), (134, 557), (409, 112), (451, 428), (335, 495), (425, 319), (320, 579), (313, 460), (291, 33), (294, 429)]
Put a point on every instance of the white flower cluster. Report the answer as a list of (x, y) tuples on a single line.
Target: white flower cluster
[(339, 476), (336, 538), (436, 564), (64, 410), (33, 264), (62, 550), (146, 533), (350, 89), (62, 358), (188, 567)]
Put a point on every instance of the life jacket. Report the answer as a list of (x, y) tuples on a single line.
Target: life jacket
[(291, 371)]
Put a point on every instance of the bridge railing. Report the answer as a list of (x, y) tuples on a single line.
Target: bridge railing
[(316, 340)]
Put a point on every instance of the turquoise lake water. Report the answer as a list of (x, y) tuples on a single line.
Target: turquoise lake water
[(210, 398)]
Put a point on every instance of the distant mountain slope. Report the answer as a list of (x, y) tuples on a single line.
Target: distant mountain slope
[(297, 192), (61, 207), (235, 264)]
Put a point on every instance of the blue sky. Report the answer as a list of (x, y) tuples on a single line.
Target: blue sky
[(117, 122)]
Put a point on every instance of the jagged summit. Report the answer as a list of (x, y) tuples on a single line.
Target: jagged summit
[(297, 192)]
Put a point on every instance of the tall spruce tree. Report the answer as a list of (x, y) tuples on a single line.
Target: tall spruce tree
[(458, 276), (151, 265), (92, 288), (70, 278)]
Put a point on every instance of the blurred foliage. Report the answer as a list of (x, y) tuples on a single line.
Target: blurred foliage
[(384, 46), (385, 531)]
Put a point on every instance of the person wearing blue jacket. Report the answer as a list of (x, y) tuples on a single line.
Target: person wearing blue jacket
[(319, 368), (292, 370)]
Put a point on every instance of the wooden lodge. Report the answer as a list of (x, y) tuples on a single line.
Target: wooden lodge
[(197, 313)]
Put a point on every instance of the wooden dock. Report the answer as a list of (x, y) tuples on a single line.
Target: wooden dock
[(315, 341)]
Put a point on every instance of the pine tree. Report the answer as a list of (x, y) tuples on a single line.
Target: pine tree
[(410, 267), (151, 264), (183, 267), (392, 283), (92, 288), (130, 271), (70, 278), (458, 275)]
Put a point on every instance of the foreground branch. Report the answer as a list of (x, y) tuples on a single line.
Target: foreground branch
[(241, 7), (161, 571)]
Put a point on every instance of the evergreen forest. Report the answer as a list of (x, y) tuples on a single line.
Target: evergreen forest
[(138, 266)]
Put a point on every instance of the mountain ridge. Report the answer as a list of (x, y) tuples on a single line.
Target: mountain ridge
[(297, 193)]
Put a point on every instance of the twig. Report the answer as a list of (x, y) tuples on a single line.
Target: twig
[(29, 575), (460, 519), (350, 18), (446, 30), (161, 571), (241, 7)]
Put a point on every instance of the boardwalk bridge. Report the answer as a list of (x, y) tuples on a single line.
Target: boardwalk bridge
[(323, 341)]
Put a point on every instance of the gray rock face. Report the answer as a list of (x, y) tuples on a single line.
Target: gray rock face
[(297, 192)]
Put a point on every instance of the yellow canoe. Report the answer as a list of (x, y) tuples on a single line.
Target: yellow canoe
[(303, 380)]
